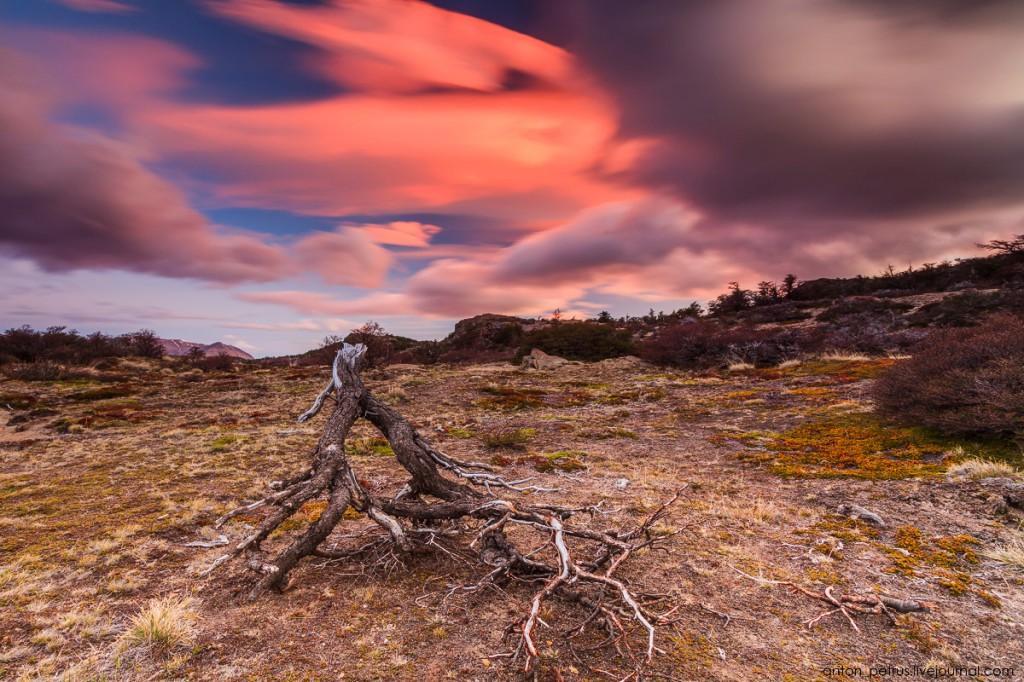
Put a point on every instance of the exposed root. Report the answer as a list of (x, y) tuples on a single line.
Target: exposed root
[(569, 563)]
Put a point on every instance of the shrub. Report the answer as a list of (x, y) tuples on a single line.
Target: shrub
[(707, 344), (968, 308), (221, 362), (871, 333), (864, 304), (789, 311), (961, 381), (41, 370), (579, 341)]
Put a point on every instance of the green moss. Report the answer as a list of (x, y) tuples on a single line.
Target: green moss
[(853, 445), (225, 442), (101, 393), (642, 395), (376, 447), (563, 460), (18, 401), (508, 437), (606, 434)]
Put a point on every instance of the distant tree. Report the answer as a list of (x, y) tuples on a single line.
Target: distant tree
[(379, 346), (733, 302), (789, 283), (145, 344), (195, 355), (604, 317), (556, 315), (767, 293), (1005, 246)]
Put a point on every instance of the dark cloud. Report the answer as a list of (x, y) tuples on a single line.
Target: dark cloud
[(74, 200), (775, 110)]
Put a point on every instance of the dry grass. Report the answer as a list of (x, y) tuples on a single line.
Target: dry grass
[(95, 522), (1011, 554), (836, 356), (976, 469), (164, 624), (740, 367)]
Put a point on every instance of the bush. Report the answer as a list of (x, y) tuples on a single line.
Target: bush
[(579, 341), (789, 311), (864, 304), (968, 308), (221, 362), (961, 381), (42, 370), (871, 333), (707, 344)]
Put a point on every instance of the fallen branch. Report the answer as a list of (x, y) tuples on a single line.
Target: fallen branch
[(848, 604)]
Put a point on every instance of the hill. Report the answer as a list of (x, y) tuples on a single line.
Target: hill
[(179, 348)]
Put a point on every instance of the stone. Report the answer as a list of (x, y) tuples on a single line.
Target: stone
[(538, 359)]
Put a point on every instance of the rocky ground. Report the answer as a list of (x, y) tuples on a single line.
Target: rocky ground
[(104, 483)]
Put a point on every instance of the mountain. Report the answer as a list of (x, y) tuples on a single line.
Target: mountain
[(177, 347)]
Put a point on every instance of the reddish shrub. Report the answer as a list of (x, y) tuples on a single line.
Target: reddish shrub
[(706, 344), (961, 381)]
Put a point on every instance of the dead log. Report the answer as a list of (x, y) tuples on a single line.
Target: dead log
[(572, 563)]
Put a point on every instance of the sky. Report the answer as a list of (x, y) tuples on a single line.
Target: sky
[(269, 172)]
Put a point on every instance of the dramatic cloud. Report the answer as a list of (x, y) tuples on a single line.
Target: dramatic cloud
[(775, 110), (644, 248), (76, 200), (400, 46), (601, 240), (346, 256), (525, 154)]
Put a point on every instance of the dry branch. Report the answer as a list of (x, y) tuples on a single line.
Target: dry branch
[(848, 604), (573, 564)]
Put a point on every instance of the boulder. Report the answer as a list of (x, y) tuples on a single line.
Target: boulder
[(538, 359)]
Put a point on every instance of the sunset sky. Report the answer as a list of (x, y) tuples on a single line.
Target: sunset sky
[(267, 172)]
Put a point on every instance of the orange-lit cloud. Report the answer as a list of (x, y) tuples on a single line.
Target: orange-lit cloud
[(402, 233), (369, 154), (397, 46)]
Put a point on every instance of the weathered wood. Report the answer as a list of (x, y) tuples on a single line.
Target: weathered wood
[(431, 496)]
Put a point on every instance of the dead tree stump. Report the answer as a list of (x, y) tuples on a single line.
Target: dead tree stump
[(452, 506)]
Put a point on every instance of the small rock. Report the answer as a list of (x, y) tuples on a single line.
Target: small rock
[(538, 359), (622, 483)]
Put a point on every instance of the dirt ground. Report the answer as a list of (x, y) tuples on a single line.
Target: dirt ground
[(103, 483)]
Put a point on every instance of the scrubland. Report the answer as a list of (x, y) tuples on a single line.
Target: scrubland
[(106, 479)]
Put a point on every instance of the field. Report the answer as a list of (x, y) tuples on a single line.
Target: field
[(106, 479)]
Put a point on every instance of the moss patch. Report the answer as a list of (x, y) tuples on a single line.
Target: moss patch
[(855, 445)]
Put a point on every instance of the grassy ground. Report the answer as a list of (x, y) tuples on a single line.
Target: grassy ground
[(102, 484)]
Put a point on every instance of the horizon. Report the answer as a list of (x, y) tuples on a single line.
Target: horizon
[(265, 173)]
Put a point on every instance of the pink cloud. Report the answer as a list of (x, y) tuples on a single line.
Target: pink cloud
[(118, 72), (401, 46), (346, 256), (402, 233), (72, 199)]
